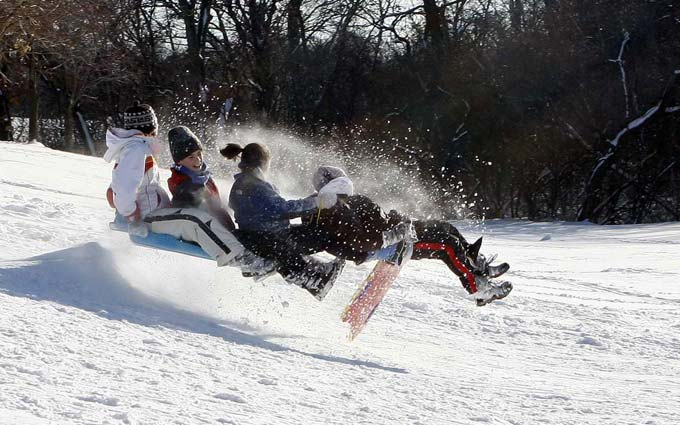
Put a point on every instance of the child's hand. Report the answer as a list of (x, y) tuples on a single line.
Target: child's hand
[(135, 216)]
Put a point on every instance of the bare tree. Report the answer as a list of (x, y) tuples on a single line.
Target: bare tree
[(196, 15), (596, 200), (256, 25), (84, 28)]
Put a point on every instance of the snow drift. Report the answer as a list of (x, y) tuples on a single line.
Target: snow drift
[(96, 330)]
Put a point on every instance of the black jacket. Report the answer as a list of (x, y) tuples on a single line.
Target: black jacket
[(353, 227)]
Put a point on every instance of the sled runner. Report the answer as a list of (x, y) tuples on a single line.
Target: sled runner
[(143, 237), (371, 292)]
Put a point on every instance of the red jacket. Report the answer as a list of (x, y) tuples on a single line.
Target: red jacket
[(179, 183), (187, 194)]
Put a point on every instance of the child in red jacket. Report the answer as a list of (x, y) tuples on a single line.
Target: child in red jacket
[(192, 186), (191, 183)]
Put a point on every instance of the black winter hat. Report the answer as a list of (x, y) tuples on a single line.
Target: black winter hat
[(182, 143), (140, 116)]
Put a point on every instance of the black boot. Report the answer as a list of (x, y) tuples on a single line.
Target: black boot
[(472, 251), (488, 290), (480, 264), (323, 277), (495, 271), (403, 231), (317, 278), (484, 268)]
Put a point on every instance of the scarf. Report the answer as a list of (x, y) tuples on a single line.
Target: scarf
[(197, 177)]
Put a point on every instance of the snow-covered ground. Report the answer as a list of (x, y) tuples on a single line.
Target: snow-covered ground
[(96, 330)]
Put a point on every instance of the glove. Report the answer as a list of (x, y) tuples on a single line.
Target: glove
[(327, 200), (135, 216)]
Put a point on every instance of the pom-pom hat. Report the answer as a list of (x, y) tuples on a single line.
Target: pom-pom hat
[(140, 116)]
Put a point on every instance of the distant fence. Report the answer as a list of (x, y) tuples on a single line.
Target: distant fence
[(51, 134)]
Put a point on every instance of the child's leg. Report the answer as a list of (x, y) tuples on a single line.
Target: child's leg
[(315, 276), (195, 225), (441, 240), (311, 240), (288, 257)]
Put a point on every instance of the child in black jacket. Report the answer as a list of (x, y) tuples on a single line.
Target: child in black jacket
[(358, 230)]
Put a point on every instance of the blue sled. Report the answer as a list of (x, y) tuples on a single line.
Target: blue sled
[(163, 242), (169, 243)]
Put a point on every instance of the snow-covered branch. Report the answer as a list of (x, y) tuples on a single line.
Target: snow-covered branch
[(635, 123), (620, 62), (641, 120)]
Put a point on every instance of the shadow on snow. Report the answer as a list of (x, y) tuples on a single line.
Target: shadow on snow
[(86, 277)]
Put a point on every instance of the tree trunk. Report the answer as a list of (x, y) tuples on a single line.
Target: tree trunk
[(5, 113), (435, 25), (195, 30), (517, 14), (34, 101), (69, 126), (5, 117), (294, 34), (294, 23)]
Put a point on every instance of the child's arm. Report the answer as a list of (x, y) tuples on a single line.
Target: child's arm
[(127, 177), (277, 207)]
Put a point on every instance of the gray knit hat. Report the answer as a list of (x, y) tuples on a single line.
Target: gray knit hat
[(182, 143), (140, 116)]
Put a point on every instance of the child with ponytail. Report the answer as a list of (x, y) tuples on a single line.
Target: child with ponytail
[(263, 217)]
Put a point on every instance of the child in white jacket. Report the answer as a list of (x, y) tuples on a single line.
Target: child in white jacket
[(135, 188), (142, 204)]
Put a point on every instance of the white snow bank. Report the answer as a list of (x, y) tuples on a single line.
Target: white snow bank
[(96, 330)]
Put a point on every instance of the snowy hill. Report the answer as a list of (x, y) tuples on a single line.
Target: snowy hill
[(96, 330)]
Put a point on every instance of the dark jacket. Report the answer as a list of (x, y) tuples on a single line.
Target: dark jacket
[(198, 190), (187, 192), (354, 225), (258, 206)]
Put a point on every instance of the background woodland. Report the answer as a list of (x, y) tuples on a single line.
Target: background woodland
[(540, 109)]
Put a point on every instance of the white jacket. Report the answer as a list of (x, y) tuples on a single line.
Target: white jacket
[(133, 186)]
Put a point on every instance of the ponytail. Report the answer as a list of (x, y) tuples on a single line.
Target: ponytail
[(231, 151), (253, 155)]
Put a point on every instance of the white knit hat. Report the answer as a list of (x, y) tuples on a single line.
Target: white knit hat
[(325, 174)]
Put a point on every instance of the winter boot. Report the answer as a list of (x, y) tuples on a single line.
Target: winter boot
[(472, 251), (484, 268), (254, 266), (322, 277), (488, 291), (403, 250)]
